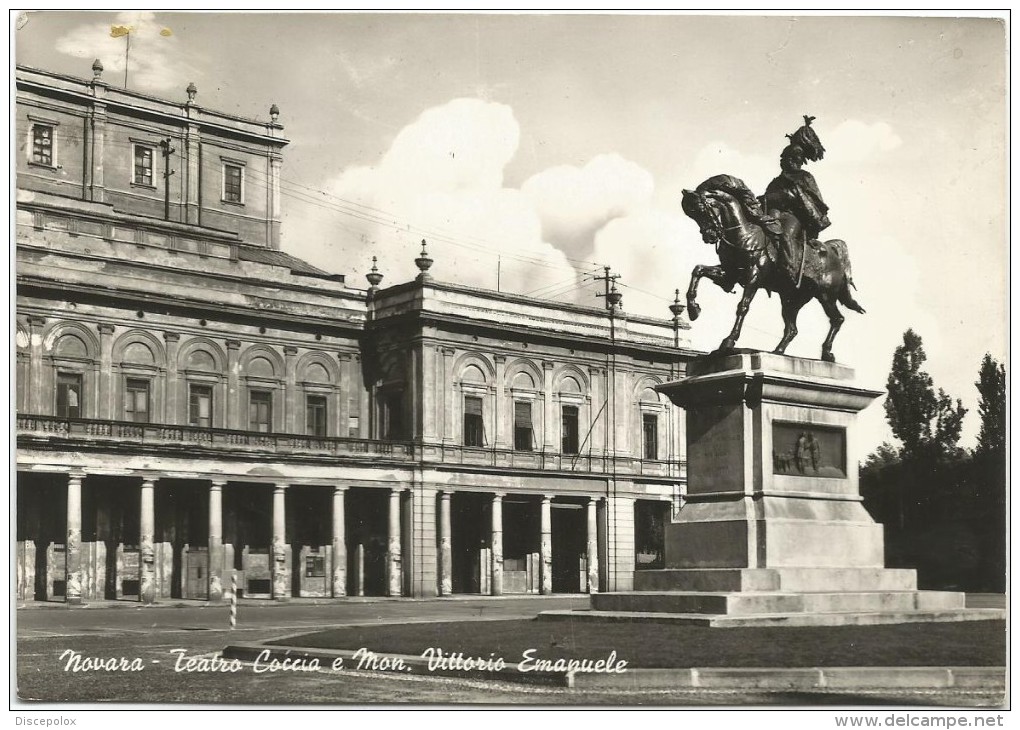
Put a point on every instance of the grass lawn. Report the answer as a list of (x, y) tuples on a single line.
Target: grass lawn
[(967, 643)]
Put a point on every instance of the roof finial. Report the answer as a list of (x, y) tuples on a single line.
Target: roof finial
[(424, 262), (274, 113), (373, 276), (97, 69), (192, 90)]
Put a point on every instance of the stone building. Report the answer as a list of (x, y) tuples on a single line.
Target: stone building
[(194, 405)]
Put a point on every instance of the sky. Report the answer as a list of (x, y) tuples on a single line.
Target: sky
[(531, 150)]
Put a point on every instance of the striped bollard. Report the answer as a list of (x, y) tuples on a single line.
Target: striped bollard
[(233, 601)]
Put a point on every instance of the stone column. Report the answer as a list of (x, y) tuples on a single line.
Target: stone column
[(72, 546), (545, 547), (36, 391), (445, 550), (448, 423), (146, 543), (343, 409), (275, 166), (291, 423), (234, 409), (281, 571), (593, 547), (500, 428), (393, 551), (596, 414), (620, 540), (497, 545), (339, 544), (106, 371), (170, 414), (548, 414), (95, 144), (192, 172), (216, 541)]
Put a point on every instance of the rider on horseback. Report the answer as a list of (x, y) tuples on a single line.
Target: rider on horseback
[(795, 193)]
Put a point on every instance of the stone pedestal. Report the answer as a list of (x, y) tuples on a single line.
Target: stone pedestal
[(773, 530)]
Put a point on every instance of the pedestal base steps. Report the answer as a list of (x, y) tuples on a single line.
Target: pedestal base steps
[(778, 597)]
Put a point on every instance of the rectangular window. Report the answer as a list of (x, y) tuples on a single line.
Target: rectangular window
[(260, 411), (143, 165), (200, 405), (353, 427), (568, 429), (42, 144), (315, 415), (68, 395), (650, 431), (474, 428), (136, 400), (233, 182), (523, 432)]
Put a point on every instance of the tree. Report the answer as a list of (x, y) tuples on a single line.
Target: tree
[(991, 384), (926, 423)]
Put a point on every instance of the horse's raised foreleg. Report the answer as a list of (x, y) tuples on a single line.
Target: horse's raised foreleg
[(792, 304), (717, 274), (750, 289), (835, 322)]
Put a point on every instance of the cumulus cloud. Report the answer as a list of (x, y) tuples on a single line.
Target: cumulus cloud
[(441, 179), (574, 202), (155, 61)]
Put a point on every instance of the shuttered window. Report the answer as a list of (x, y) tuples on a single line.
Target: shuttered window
[(523, 432), (474, 427)]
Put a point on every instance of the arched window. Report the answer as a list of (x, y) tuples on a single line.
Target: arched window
[(650, 406), (72, 375), (472, 383)]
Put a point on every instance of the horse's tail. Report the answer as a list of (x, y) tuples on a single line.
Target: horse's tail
[(844, 296)]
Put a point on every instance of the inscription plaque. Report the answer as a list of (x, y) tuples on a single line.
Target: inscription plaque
[(808, 450)]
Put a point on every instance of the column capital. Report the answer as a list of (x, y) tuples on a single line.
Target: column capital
[(280, 487), (340, 488), (75, 476), (104, 328), (446, 493), (500, 359), (35, 320), (172, 336), (233, 344), (148, 482), (448, 351), (217, 483), (498, 496), (343, 356), (547, 498), (547, 365), (289, 350)]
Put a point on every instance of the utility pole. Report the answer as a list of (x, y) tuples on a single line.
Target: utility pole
[(166, 146), (613, 303)]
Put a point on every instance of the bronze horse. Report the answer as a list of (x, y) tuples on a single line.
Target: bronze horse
[(752, 254)]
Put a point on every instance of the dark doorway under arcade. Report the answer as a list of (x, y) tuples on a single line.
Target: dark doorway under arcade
[(569, 547), (367, 531)]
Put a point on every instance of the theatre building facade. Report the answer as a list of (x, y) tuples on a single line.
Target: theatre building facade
[(196, 407)]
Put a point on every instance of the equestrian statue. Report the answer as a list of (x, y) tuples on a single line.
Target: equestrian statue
[(771, 243)]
